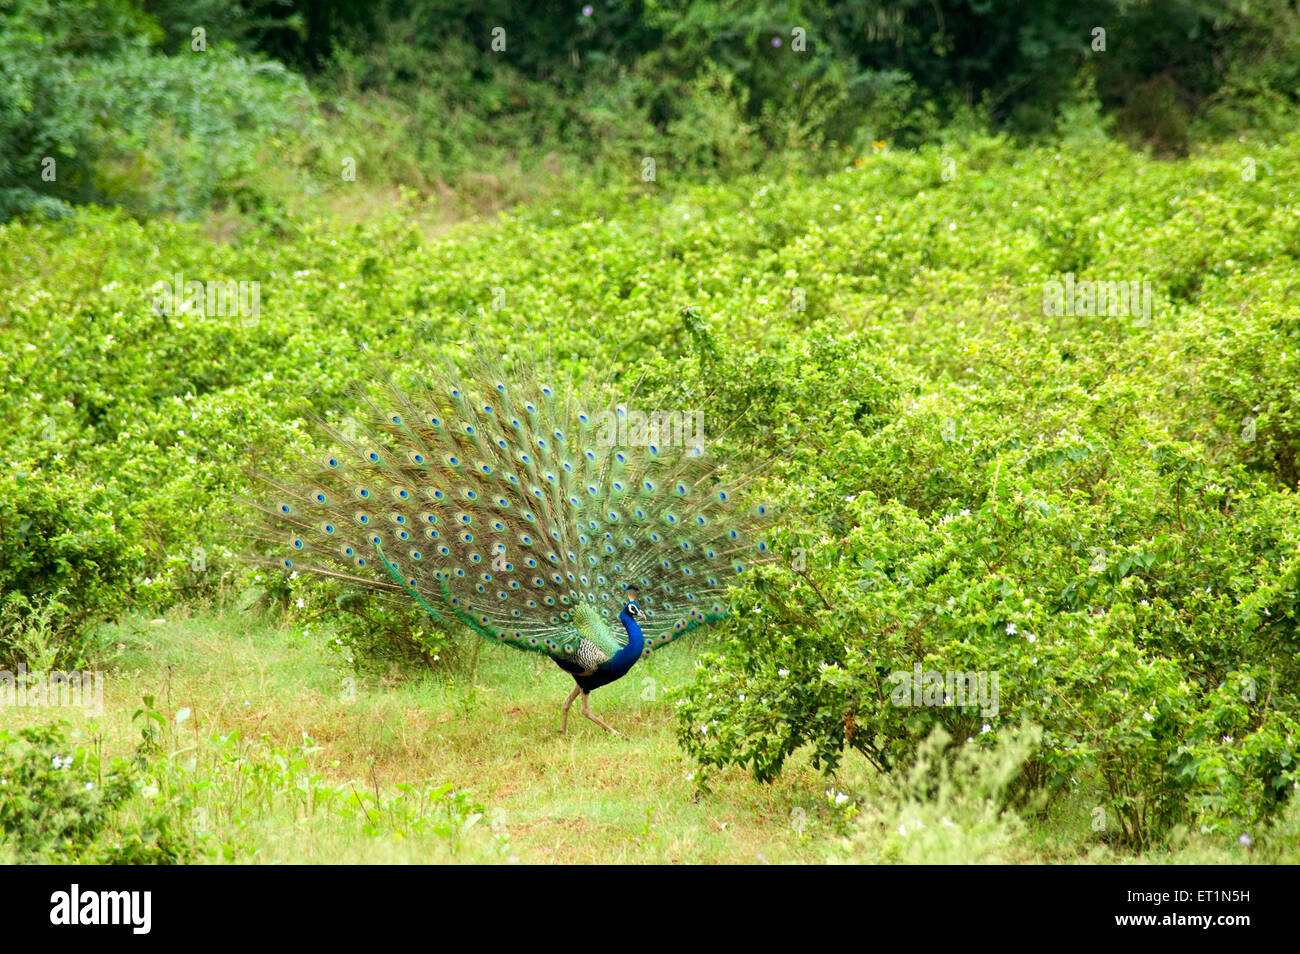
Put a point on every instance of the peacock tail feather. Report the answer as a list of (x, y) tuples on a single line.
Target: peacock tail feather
[(512, 507)]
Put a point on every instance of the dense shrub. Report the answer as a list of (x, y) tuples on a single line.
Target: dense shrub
[(199, 107), (60, 805), (69, 552), (90, 111)]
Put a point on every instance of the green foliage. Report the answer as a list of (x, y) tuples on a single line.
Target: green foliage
[(68, 551), (91, 112), (225, 786), (198, 108), (193, 131), (182, 796), (776, 75), (59, 805), (951, 805), (375, 633), (960, 468)]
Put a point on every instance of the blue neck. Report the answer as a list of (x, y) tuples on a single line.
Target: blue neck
[(635, 641)]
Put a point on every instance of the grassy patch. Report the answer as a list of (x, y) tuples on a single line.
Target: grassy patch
[(284, 757)]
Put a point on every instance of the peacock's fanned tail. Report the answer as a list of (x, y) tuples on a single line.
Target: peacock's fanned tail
[(506, 505)]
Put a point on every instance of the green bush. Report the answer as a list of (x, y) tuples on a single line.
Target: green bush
[(1135, 600), (60, 805), (91, 112), (952, 805), (69, 554), (200, 108)]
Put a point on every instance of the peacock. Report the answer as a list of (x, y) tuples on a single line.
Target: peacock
[(541, 518)]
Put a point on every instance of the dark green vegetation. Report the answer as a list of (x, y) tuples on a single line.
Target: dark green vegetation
[(250, 108), (1098, 507)]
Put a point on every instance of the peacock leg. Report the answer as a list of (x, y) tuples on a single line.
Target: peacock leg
[(564, 722), (586, 710)]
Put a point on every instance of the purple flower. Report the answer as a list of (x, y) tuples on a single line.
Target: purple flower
[(776, 41), (586, 11)]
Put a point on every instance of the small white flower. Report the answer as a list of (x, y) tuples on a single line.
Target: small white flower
[(1246, 840), (985, 729), (301, 602), (1148, 717), (90, 786), (1011, 629), (840, 798), (1227, 740), (1031, 637), (783, 672)]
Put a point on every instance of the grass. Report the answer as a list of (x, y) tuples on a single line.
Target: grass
[(582, 797), (286, 756)]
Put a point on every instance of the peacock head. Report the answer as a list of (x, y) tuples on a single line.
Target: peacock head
[(631, 607)]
